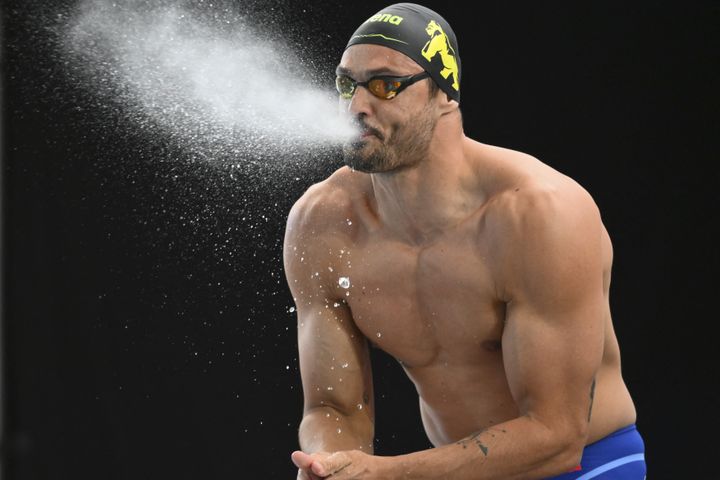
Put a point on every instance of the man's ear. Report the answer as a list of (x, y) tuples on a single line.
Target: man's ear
[(445, 103)]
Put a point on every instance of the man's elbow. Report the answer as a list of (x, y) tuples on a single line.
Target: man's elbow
[(564, 441), (571, 443), (329, 425)]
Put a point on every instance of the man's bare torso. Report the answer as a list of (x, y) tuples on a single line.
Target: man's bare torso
[(434, 304)]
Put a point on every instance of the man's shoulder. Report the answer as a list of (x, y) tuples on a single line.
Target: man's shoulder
[(327, 205), (543, 218), (541, 197)]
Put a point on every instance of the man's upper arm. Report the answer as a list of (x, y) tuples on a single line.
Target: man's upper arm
[(333, 353), (552, 281)]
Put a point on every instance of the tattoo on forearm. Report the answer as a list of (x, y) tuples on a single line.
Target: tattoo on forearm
[(480, 443), (592, 398)]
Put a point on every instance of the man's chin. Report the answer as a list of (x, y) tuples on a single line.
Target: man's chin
[(359, 165), (357, 161), (363, 157), (365, 164)]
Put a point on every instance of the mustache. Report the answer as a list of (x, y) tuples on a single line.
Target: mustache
[(364, 127)]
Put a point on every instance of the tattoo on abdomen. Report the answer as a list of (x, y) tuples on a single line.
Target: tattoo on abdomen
[(592, 398)]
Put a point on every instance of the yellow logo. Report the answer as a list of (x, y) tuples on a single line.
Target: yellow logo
[(385, 17), (439, 43)]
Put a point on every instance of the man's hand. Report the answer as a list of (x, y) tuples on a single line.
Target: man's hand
[(345, 465), (304, 463)]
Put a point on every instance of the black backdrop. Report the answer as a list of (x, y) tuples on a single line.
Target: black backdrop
[(147, 330)]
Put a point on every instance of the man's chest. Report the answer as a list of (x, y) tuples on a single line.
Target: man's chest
[(416, 303)]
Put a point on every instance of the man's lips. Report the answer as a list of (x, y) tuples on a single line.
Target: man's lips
[(370, 132), (365, 131)]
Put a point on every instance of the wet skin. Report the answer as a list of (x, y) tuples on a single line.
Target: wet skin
[(482, 270)]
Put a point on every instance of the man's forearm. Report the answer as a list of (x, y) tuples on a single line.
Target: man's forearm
[(325, 429), (520, 448)]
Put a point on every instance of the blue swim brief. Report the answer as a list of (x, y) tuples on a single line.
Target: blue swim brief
[(619, 456)]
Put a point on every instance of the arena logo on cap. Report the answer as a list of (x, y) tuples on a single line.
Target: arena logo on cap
[(385, 17), (439, 43)]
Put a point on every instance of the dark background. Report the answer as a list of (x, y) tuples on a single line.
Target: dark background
[(147, 331)]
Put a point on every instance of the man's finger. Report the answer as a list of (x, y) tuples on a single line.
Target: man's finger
[(330, 465), (301, 459), (305, 475), (304, 461)]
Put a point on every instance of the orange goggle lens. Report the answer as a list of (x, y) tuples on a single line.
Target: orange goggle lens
[(385, 87)]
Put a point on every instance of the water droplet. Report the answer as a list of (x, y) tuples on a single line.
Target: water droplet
[(344, 282), (330, 388), (359, 406), (292, 309), (339, 430), (378, 334), (345, 365), (336, 304)]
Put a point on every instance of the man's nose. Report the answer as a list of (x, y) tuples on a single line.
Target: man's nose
[(360, 102)]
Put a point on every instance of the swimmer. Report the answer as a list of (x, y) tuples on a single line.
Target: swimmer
[(482, 270)]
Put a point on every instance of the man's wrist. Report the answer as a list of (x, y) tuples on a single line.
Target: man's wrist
[(389, 468)]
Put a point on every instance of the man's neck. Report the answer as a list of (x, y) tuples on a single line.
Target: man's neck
[(419, 203)]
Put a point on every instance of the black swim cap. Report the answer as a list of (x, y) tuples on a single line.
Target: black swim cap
[(422, 35)]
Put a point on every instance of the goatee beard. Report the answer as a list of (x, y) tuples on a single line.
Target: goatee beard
[(373, 162)]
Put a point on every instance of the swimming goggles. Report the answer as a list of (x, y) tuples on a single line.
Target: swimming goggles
[(382, 86)]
